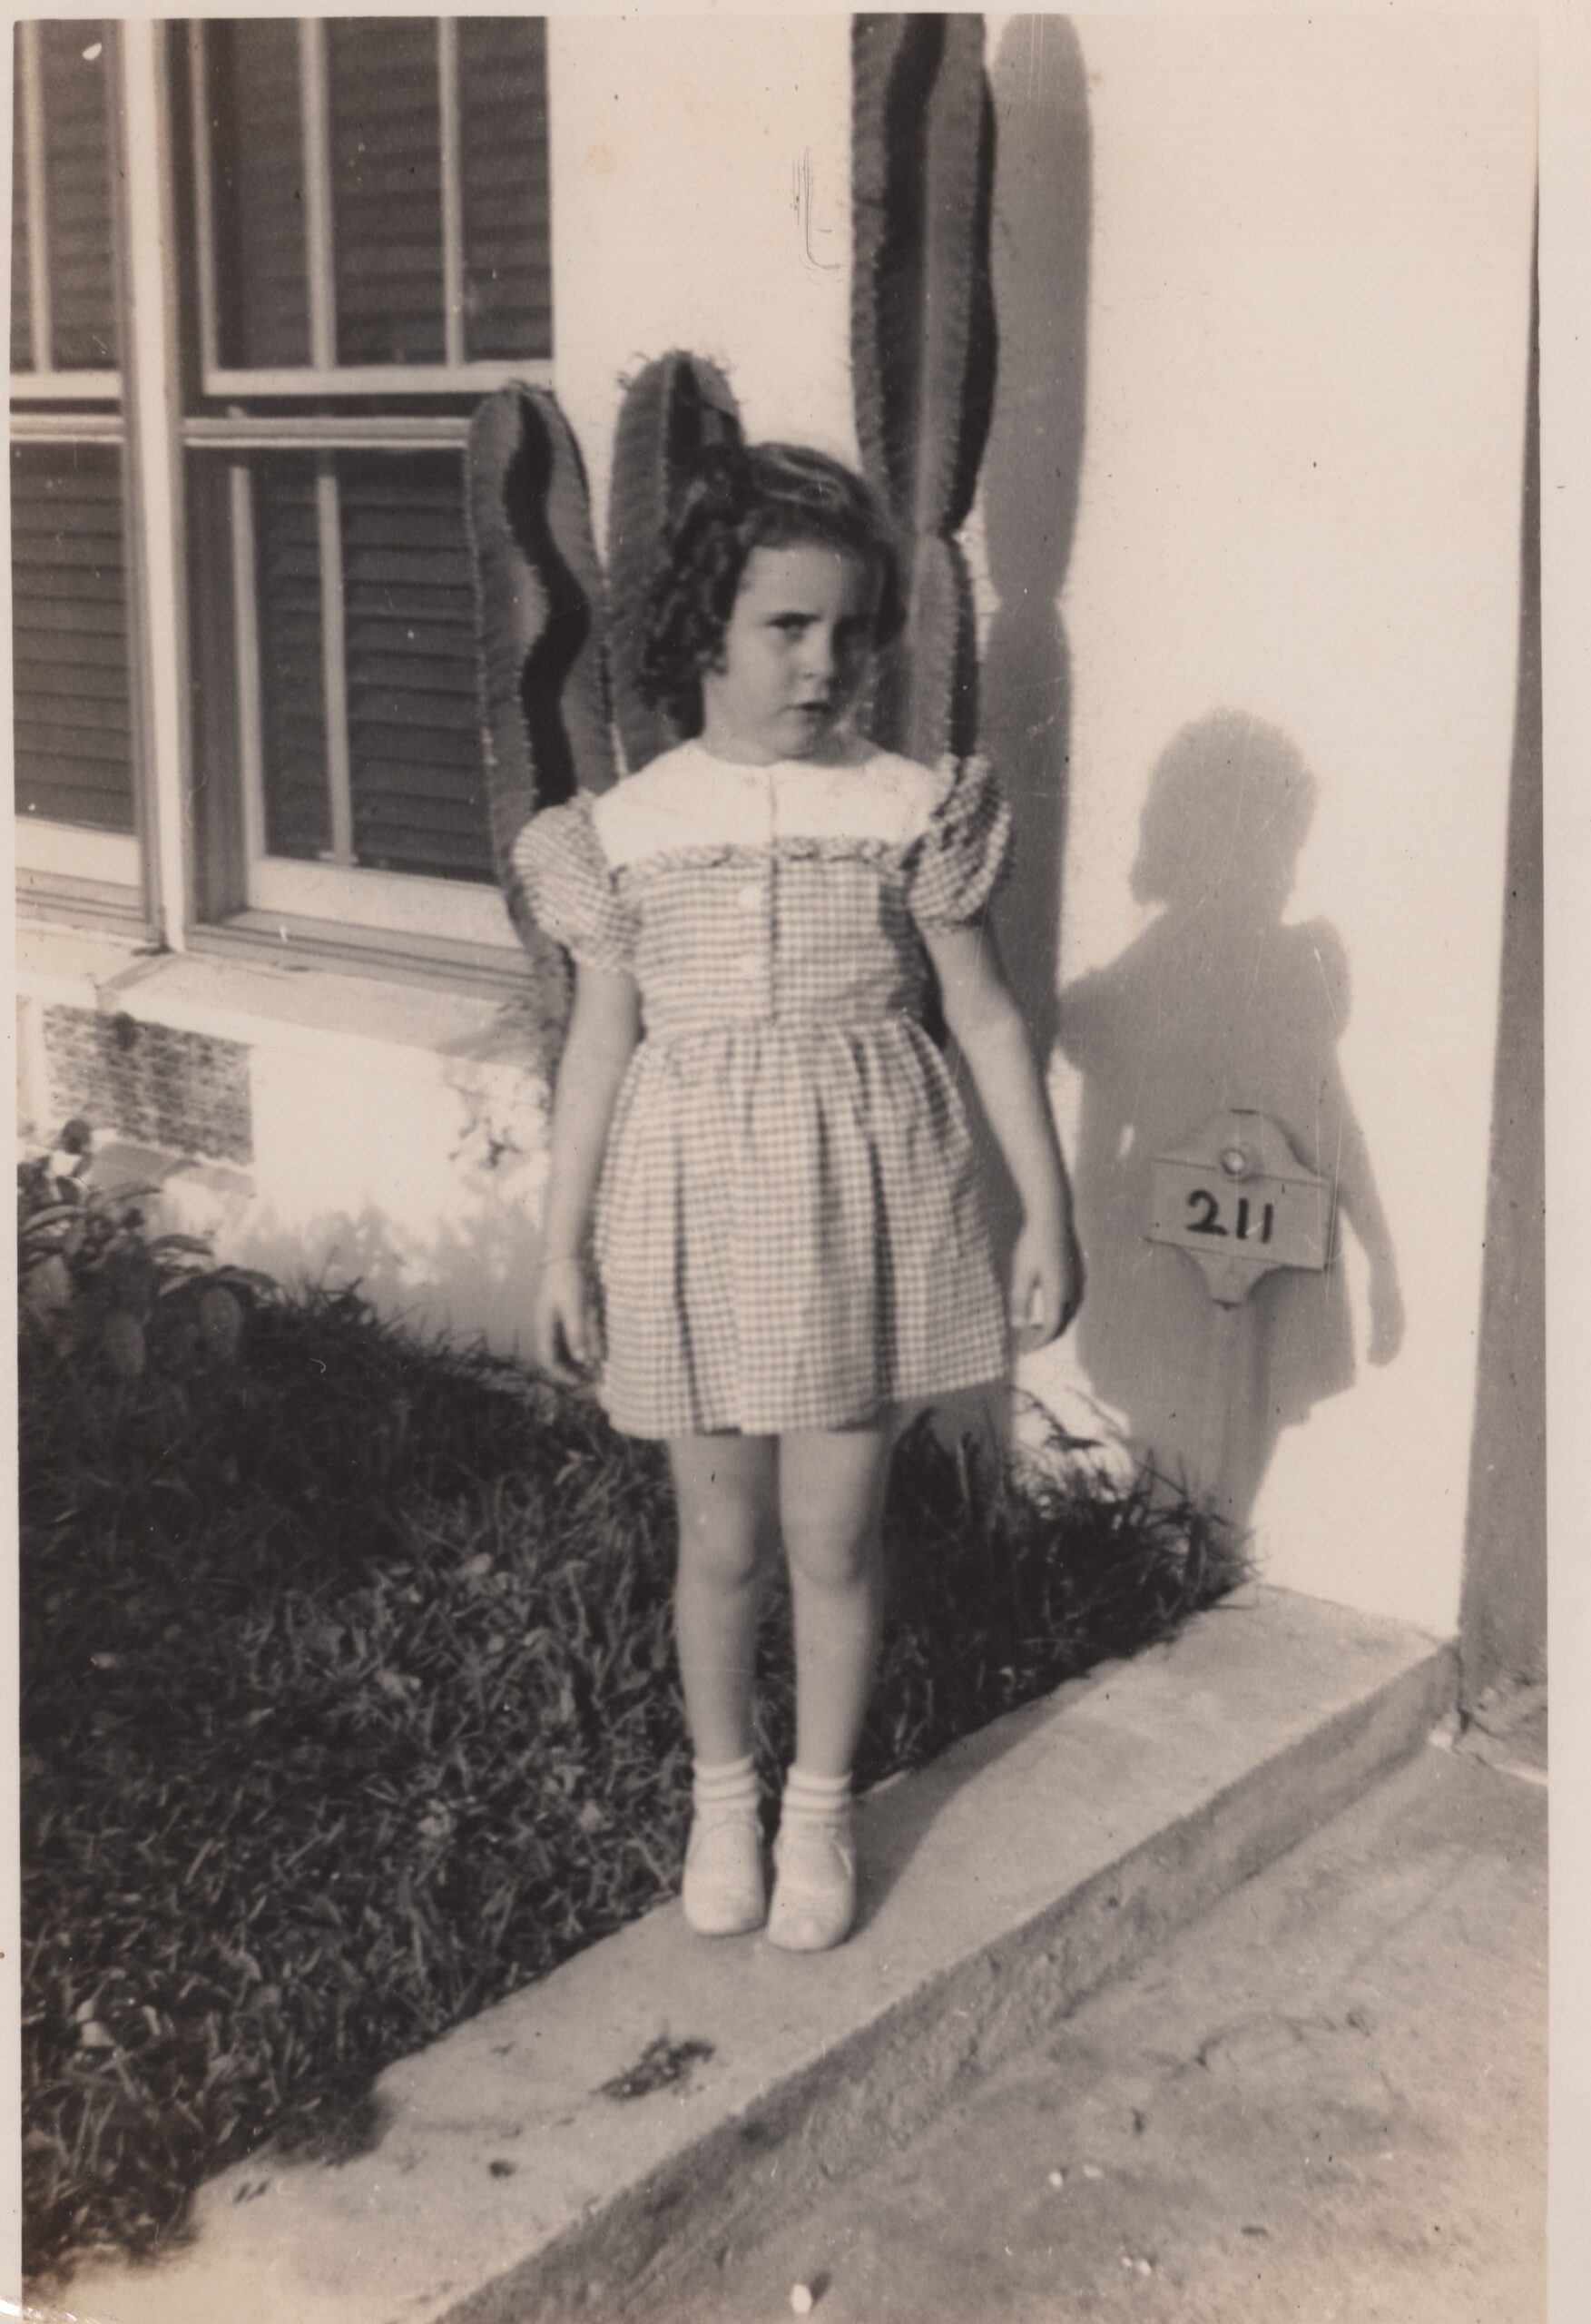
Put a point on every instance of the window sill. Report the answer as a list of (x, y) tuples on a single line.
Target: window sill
[(110, 906), (386, 956), (426, 1031)]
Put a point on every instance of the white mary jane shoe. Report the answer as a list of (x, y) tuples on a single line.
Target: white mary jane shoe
[(725, 1891), (814, 1886)]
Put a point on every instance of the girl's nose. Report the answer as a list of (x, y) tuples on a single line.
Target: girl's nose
[(818, 661)]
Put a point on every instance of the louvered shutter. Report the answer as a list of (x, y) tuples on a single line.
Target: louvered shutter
[(414, 722), (386, 189), (72, 699), (77, 191), (502, 102), (298, 818), (413, 746), (22, 335), (257, 163)]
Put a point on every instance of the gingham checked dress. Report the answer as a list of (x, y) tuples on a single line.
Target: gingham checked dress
[(787, 1231)]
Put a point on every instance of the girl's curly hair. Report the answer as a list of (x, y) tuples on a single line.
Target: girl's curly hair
[(738, 498)]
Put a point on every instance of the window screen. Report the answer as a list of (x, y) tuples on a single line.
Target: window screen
[(71, 699), (22, 335), (503, 93), (77, 192), (258, 165), (71, 710), (385, 189), (389, 595), (394, 169), (414, 718)]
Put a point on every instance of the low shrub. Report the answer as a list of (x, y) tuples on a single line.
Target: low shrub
[(348, 1700)]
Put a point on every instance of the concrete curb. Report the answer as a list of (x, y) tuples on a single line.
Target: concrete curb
[(1004, 1884)]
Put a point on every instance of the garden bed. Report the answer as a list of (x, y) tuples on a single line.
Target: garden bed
[(348, 1700)]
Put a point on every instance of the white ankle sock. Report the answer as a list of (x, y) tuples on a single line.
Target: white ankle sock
[(723, 1891), (724, 1783), (814, 1892), (817, 1799)]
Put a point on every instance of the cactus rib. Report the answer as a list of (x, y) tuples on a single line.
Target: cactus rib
[(539, 617)]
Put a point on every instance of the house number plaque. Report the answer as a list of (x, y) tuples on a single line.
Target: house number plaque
[(1240, 1202)]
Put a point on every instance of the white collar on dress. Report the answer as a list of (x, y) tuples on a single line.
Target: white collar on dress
[(690, 799)]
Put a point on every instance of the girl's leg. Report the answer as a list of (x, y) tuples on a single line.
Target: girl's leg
[(725, 1494), (831, 1486), (831, 1495), (724, 1489)]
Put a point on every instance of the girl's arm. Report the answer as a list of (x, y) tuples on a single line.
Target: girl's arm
[(981, 1011), (604, 1026)]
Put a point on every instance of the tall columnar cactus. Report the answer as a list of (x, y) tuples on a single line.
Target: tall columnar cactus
[(671, 411), (548, 624), (922, 343)]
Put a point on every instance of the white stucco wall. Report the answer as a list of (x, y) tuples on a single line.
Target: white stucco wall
[(1306, 312), (700, 171), (1264, 306)]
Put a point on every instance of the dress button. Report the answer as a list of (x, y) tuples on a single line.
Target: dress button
[(747, 964), (748, 897)]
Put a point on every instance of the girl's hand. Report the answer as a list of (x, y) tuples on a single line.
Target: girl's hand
[(1386, 1304), (1046, 1283), (568, 1340)]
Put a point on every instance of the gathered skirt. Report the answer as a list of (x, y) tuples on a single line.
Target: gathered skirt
[(789, 1232)]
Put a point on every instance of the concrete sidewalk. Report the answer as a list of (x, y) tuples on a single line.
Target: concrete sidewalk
[(1325, 2102), (593, 2142)]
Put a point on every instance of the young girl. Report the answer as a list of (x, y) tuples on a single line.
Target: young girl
[(763, 1221)]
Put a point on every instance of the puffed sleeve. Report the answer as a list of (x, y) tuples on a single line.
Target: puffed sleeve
[(958, 861), (570, 888)]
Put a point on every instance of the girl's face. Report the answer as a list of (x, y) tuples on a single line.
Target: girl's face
[(794, 655)]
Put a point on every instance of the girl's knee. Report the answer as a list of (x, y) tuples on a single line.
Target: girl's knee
[(718, 1559), (725, 1502), (830, 1557)]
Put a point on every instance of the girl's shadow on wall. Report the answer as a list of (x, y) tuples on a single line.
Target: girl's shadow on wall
[(1219, 1002)]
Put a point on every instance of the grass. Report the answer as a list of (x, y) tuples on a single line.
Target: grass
[(348, 1706)]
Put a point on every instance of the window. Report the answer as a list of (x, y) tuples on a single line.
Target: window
[(360, 251), (371, 228), (73, 750)]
